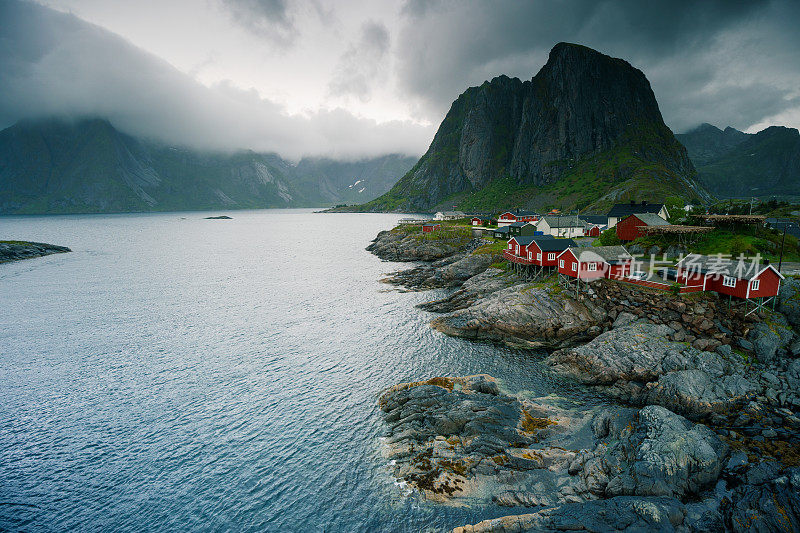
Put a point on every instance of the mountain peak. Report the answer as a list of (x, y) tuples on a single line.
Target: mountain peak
[(580, 104)]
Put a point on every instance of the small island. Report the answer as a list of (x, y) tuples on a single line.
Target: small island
[(220, 217), (18, 250)]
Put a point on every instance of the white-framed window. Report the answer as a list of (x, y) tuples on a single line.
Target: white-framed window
[(516, 249), (551, 256), (560, 263), (510, 246), (574, 267), (728, 281), (754, 284), (530, 255), (591, 267), (538, 257)]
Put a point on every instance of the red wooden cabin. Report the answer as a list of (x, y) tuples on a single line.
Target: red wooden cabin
[(590, 263), (592, 231), (729, 277), (544, 249), (629, 228), (517, 250), (429, 228), (509, 217)]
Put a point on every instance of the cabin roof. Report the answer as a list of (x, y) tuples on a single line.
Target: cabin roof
[(651, 219), (709, 264), (609, 254), (600, 220), (563, 221), (623, 210), (552, 244)]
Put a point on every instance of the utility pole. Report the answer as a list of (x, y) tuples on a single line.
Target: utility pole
[(780, 259)]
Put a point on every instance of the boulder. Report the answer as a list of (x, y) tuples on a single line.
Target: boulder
[(789, 300), (770, 336), (659, 453), (637, 364)]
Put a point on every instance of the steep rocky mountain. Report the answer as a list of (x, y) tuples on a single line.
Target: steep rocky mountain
[(586, 131), (707, 142), (732, 163), (87, 166)]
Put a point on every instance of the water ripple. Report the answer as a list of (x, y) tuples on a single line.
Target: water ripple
[(178, 375)]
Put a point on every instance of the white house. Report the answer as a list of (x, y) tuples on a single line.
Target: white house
[(449, 215), (567, 226)]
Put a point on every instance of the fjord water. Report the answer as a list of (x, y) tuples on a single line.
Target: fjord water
[(176, 373)]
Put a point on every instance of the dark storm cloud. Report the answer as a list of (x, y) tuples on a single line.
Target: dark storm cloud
[(265, 18), (360, 65), (54, 64), (688, 50)]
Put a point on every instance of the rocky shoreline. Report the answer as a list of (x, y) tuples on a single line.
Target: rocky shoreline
[(18, 250), (701, 430)]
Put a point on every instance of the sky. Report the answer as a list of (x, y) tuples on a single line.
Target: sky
[(351, 79)]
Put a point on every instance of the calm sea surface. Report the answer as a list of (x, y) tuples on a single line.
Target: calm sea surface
[(175, 373)]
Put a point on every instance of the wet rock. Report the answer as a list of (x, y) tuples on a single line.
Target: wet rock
[(489, 281), (769, 501), (622, 513), (18, 250), (461, 438), (451, 271), (531, 315)]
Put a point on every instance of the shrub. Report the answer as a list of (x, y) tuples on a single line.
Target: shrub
[(607, 238)]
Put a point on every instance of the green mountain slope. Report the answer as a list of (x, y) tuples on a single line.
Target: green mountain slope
[(585, 132), (87, 166), (766, 163)]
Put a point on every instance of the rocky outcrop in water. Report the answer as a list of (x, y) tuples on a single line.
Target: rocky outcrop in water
[(463, 440), (17, 250), (451, 271), (733, 376), (409, 244), (471, 291), (623, 513), (524, 314)]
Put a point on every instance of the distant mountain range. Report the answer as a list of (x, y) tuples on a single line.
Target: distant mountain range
[(731, 163), (585, 132), (87, 166)]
